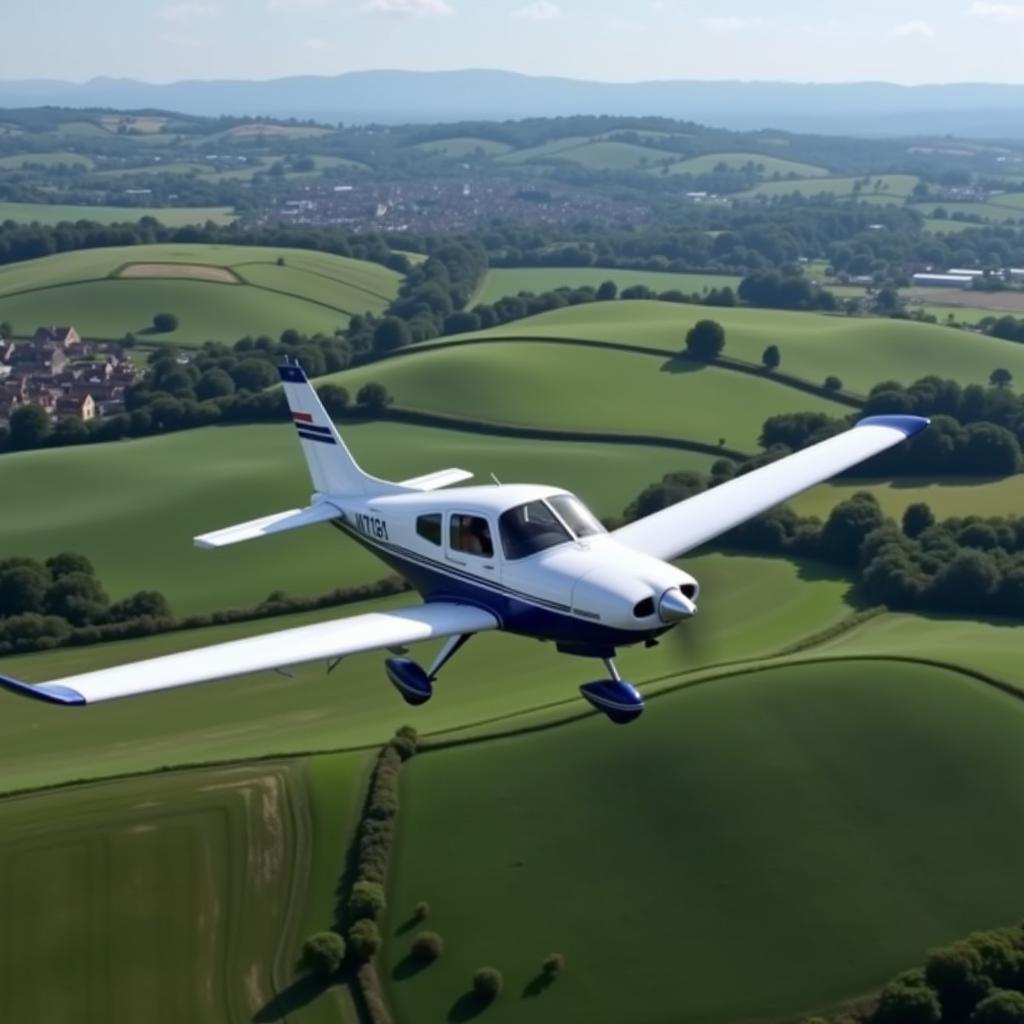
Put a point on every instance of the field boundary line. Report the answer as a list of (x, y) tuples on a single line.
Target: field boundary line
[(316, 273)]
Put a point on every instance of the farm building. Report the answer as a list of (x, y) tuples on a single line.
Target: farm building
[(942, 280)]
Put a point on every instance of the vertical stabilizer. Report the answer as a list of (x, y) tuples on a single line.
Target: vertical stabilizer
[(331, 465)]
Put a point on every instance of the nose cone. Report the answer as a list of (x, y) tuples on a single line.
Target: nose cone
[(675, 606)]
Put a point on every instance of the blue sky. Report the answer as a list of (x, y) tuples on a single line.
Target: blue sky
[(907, 41)]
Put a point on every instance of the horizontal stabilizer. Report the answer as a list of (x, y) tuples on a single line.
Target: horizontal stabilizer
[(293, 519), (435, 481)]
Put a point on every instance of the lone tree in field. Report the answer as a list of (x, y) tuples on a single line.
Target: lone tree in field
[(553, 965), (487, 983), (427, 947), (833, 384), (164, 323), (323, 953), (771, 358), (705, 340), (607, 291), (1000, 378)]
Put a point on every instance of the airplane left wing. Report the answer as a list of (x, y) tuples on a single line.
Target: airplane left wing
[(688, 524), (319, 642)]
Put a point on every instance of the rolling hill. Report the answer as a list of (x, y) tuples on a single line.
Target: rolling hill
[(218, 292), (172, 216)]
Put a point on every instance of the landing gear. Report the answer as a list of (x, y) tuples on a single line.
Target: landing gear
[(614, 697), (415, 684)]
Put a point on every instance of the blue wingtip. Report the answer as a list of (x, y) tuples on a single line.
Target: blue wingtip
[(908, 425), (49, 692), (292, 373)]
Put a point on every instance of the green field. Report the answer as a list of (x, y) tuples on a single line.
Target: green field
[(189, 483), (608, 155), (93, 290), (172, 216), (547, 384), (772, 165), (543, 152), (952, 496), (502, 281), (986, 211), (788, 827), (46, 160), (892, 186), (461, 147), (861, 351)]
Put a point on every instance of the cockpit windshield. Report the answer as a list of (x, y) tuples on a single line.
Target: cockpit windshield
[(535, 526)]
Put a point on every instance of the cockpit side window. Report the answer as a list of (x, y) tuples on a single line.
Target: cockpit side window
[(530, 528), (470, 535), (429, 527), (576, 515)]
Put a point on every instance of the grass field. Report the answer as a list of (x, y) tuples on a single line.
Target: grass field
[(737, 161), (46, 160), (172, 216), (161, 898), (986, 211), (861, 351), (744, 615), (622, 392), (544, 151), (787, 827), (91, 289), (460, 147), (502, 281), (892, 185)]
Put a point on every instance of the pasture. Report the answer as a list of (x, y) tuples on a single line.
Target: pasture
[(188, 483), (218, 292), (630, 394), (460, 147), (172, 216), (501, 281), (861, 351), (15, 163), (883, 186), (783, 827), (767, 166)]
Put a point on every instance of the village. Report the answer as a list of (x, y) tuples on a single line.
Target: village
[(64, 374)]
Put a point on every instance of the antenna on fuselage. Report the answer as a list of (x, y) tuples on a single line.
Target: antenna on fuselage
[(495, 479)]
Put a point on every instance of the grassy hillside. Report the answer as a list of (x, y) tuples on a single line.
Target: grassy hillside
[(861, 351), (460, 147), (134, 889), (880, 186), (772, 165), (753, 607), (179, 485), (109, 292), (502, 281), (786, 845), (570, 388), (172, 216)]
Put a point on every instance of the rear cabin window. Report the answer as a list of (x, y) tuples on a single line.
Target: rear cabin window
[(530, 528), (471, 535), (429, 528)]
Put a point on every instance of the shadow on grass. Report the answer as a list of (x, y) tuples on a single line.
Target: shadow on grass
[(407, 926), (298, 994), (682, 364), (468, 1006), (408, 967), (538, 985)]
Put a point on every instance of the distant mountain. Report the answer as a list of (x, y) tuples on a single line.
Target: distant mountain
[(868, 108)]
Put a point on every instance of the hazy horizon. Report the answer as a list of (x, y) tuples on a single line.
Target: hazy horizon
[(902, 42)]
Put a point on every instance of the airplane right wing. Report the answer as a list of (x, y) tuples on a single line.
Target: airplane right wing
[(688, 524), (321, 641)]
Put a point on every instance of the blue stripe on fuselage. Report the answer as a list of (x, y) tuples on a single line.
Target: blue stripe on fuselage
[(517, 613)]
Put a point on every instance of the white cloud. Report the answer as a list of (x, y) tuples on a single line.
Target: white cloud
[(185, 39), (409, 8), (187, 12), (907, 29), (731, 23), (539, 10), (1000, 13)]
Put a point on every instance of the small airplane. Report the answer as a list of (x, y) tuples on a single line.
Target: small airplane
[(523, 558)]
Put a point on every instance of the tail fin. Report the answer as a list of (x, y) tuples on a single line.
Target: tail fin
[(331, 465)]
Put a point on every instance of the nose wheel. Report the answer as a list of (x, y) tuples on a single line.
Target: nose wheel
[(614, 697)]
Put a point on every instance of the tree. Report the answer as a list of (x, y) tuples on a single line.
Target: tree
[(29, 426), (323, 954), (916, 519), (391, 334), (214, 384), (367, 900), (77, 597), (422, 911), (771, 359), (487, 983), (847, 527), (22, 589), (553, 963), (364, 940), (253, 374), (833, 384), (334, 397), (904, 1002), (144, 604), (1000, 378), (705, 340), (607, 291), (68, 562), (1000, 1008), (374, 398), (6, 330), (461, 322), (955, 973), (427, 947), (164, 323)]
